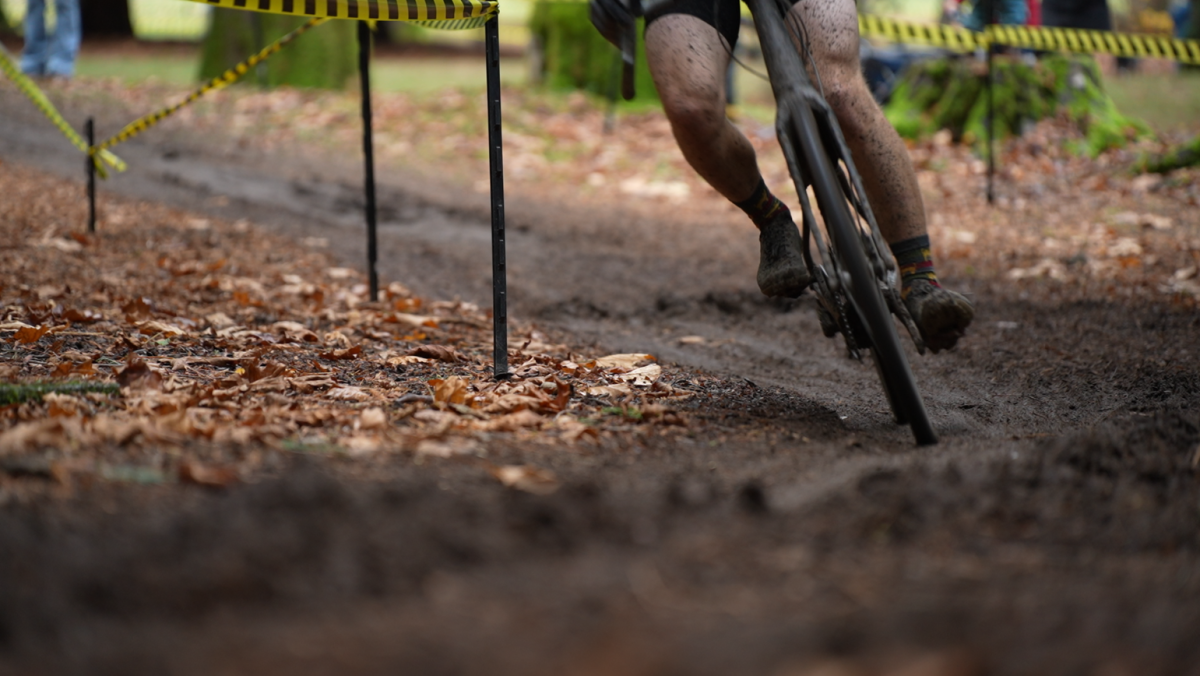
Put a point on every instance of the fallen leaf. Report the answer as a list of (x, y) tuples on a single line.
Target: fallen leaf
[(207, 476), (524, 419), (618, 390), (295, 332), (452, 390), (447, 448), (526, 478), (644, 376), (137, 374), (30, 334), (438, 352), (154, 328), (348, 393), (372, 419), (623, 361), (348, 353)]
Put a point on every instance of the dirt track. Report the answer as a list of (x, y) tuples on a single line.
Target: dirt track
[(1056, 528)]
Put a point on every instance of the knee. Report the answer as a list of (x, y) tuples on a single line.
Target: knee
[(695, 114)]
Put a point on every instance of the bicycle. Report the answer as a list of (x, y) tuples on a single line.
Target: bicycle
[(856, 283)]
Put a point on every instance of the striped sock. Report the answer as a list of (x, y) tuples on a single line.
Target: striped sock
[(915, 261), (762, 206)]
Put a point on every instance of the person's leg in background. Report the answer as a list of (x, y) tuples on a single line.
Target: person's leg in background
[(64, 44), (33, 56)]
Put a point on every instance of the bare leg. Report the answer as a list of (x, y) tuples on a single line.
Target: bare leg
[(687, 59), (878, 152)]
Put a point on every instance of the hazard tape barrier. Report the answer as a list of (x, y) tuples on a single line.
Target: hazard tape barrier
[(221, 81), (31, 90), (1032, 37), (441, 14)]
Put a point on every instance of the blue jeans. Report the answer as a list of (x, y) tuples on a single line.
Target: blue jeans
[(1007, 12), (51, 55)]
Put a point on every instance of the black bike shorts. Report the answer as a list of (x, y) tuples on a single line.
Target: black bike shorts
[(724, 15)]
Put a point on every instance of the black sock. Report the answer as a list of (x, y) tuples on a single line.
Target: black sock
[(762, 206), (915, 261)]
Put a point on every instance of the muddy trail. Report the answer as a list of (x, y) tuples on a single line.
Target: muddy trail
[(1055, 529)]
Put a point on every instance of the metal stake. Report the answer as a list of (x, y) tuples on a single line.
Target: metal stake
[(496, 162), (364, 72), (91, 175), (991, 115)]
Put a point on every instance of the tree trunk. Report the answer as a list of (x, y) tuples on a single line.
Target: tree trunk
[(952, 94), (105, 18), (324, 57), (573, 55)]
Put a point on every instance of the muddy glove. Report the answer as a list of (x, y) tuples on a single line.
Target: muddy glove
[(612, 18)]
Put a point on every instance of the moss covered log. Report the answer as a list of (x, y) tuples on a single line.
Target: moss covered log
[(1184, 155), (952, 94), (572, 55)]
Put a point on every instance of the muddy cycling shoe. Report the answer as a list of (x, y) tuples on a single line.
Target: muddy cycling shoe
[(941, 315), (781, 269)]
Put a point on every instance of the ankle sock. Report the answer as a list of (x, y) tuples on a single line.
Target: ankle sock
[(915, 261), (762, 206)]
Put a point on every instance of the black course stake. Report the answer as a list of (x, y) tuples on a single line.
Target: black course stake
[(91, 175), (496, 161), (991, 115), (364, 72)]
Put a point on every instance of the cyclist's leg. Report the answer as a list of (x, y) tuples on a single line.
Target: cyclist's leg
[(886, 170), (879, 154), (688, 59)]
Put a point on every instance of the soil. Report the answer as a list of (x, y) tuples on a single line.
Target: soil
[(791, 529)]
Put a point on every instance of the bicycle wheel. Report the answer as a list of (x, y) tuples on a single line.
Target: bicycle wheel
[(864, 295)]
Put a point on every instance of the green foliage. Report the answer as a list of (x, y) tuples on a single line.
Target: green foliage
[(323, 58), (17, 393), (952, 94), (575, 56)]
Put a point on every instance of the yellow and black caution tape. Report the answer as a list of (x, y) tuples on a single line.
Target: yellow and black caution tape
[(442, 14), (1097, 42), (936, 35), (31, 90), (223, 80), (1032, 37)]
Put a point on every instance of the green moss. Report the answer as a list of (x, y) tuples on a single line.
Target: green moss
[(325, 57), (16, 393), (1184, 155), (576, 57), (952, 94)]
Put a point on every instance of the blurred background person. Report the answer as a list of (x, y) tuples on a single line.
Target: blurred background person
[(984, 12), (51, 55)]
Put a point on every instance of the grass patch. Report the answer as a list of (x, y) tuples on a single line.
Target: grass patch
[(1167, 102)]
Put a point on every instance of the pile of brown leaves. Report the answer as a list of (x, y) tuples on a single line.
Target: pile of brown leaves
[(230, 344)]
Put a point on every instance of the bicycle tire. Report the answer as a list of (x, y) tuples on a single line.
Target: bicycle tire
[(899, 386)]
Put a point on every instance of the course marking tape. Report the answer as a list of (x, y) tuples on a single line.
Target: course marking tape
[(223, 80), (31, 90), (1032, 37), (442, 14)]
